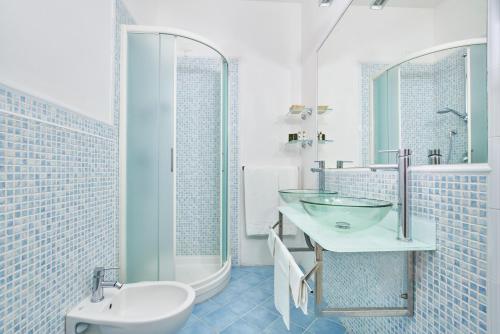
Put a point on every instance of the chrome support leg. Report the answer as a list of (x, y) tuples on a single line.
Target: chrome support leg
[(410, 285), (318, 278)]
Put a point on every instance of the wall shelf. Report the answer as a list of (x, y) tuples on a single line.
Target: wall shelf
[(323, 110), (299, 110), (302, 142)]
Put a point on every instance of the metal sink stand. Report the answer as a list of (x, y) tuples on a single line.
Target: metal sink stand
[(317, 270)]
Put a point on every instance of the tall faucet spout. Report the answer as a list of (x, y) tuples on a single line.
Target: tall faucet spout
[(404, 226), (321, 174)]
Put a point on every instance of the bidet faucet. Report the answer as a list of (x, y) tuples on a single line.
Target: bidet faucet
[(321, 174), (403, 155), (98, 284)]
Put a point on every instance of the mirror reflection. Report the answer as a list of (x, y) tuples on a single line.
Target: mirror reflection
[(416, 79)]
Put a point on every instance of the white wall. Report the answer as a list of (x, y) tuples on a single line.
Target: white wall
[(460, 19), (265, 37), (59, 50), (317, 23)]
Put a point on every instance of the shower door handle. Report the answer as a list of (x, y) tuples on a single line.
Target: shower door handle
[(172, 159)]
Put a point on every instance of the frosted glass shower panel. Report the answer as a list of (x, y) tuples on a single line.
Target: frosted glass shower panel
[(478, 104), (385, 117), (149, 202)]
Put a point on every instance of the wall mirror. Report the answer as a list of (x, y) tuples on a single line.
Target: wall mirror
[(415, 79)]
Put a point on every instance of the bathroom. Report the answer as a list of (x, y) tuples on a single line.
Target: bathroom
[(249, 166)]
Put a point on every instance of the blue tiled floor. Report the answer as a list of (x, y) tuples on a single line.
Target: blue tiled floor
[(247, 306)]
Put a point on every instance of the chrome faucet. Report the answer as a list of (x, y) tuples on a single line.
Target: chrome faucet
[(321, 174), (98, 283), (403, 155)]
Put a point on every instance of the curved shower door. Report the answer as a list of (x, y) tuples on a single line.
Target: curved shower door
[(174, 159)]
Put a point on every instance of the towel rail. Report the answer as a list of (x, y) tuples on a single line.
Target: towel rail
[(309, 247)]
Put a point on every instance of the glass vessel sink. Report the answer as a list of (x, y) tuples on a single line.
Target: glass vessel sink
[(291, 196), (346, 214)]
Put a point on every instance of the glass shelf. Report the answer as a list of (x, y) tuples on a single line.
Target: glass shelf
[(302, 113), (323, 110), (326, 141), (303, 142)]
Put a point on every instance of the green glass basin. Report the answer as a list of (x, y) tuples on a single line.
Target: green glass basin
[(347, 214), (291, 196)]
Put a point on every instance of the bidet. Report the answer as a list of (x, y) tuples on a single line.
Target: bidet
[(145, 307)]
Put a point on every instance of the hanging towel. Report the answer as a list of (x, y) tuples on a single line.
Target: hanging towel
[(261, 185), (299, 287), (271, 240), (282, 281)]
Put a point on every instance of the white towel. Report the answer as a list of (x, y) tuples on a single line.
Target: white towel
[(261, 185), (282, 281), (271, 240), (298, 286)]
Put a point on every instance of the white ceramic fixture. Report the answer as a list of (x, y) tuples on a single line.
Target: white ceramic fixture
[(145, 307)]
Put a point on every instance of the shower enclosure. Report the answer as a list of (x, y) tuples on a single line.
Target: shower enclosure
[(173, 160)]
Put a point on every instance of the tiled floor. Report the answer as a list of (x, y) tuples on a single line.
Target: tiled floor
[(247, 306)]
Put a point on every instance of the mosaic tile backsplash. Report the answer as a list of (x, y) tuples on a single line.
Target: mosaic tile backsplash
[(450, 282), (57, 210)]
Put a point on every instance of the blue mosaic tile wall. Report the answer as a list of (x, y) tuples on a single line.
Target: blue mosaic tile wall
[(424, 89), (450, 282), (198, 154), (450, 91), (418, 111), (59, 204), (57, 210), (198, 128)]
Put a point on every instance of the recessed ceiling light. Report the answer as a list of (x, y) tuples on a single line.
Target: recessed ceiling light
[(378, 4), (325, 3)]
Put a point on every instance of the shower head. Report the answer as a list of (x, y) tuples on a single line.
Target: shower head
[(463, 116)]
